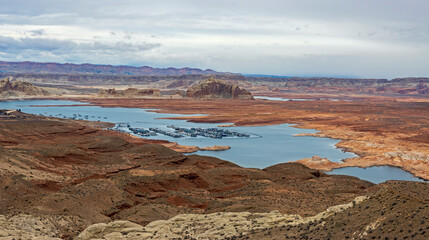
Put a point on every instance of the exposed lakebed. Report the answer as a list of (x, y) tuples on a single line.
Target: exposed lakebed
[(266, 146)]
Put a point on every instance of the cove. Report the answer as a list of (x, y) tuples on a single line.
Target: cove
[(376, 174), (267, 146)]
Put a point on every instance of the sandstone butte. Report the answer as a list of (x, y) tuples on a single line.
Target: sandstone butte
[(381, 131), (12, 89), (217, 89)]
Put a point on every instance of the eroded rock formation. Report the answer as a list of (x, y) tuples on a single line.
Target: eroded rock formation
[(217, 89), (10, 88), (393, 210), (130, 92), (221, 225), (397, 210)]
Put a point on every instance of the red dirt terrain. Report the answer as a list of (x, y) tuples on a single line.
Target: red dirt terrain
[(77, 172), (397, 210)]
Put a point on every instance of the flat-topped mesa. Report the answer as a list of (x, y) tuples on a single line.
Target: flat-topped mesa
[(217, 89), (130, 92), (9, 88)]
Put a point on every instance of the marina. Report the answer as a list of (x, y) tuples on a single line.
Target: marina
[(74, 116), (208, 132), (180, 132)]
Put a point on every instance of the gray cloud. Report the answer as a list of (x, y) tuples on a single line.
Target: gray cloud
[(383, 38), (38, 32), (9, 44)]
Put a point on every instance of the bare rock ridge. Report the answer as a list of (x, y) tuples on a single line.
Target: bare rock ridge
[(221, 225), (18, 89), (130, 92), (397, 210), (69, 68), (217, 89), (393, 210)]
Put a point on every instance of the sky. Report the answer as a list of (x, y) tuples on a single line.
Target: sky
[(365, 38)]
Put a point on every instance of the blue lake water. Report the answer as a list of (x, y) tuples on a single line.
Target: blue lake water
[(280, 99), (268, 145), (296, 99), (376, 174), (293, 99)]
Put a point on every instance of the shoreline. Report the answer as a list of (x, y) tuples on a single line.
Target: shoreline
[(349, 140)]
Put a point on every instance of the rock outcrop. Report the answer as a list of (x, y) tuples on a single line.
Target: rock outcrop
[(113, 230), (130, 92), (397, 210), (10, 88), (393, 210), (180, 83), (27, 227), (221, 225), (320, 163), (217, 89), (215, 148)]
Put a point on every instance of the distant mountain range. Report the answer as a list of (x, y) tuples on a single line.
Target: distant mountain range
[(264, 75), (69, 68)]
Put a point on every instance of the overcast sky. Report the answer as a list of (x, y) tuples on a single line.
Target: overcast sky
[(365, 38)]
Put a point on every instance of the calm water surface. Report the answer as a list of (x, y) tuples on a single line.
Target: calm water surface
[(268, 145), (294, 99), (280, 99), (377, 174)]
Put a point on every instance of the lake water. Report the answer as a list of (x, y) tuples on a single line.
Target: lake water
[(294, 99), (280, 99), (376, 174), (268, 145)]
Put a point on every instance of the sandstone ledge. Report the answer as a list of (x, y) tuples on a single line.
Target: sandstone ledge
[(215, 148), (219, 225), (26, 227), (190, 149)]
